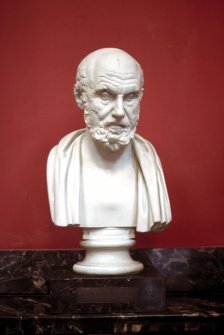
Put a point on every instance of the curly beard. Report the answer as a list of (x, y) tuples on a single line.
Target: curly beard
[(113, 136)]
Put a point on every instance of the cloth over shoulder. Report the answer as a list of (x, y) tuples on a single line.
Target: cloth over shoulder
[(63, 181)]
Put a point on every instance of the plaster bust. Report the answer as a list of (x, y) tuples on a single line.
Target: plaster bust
[(107, 176)]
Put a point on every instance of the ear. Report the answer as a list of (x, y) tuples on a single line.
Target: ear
[(78, 93), (141, 93)]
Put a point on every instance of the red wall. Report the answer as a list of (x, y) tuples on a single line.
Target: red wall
[(180, 47)]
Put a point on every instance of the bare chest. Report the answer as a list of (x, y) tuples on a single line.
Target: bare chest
[(108, 196)]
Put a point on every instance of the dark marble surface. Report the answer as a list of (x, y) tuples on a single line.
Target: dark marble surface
[(143, 292), (26, 315), (31, 304), (200, 269), (184, 269)]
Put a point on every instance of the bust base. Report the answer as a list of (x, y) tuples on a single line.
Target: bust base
[(91, 269), (107, 252), (143, 292)]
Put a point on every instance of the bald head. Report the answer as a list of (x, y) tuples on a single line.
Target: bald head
[(107, 60)]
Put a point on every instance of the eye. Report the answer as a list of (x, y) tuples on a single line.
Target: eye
[(131, 96), (105, 95)]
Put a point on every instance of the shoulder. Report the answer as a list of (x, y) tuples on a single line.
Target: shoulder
[(143, 144), (66, 141), (64, 145)]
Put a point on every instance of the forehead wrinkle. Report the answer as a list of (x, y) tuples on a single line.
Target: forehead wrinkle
[(118, 75), (118, 87), (120, 78), (114, 81)]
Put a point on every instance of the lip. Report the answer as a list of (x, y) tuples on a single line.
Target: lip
[(116, 129), (115, 125)]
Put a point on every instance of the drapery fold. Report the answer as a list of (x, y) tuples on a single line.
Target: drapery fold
[(64, 176)]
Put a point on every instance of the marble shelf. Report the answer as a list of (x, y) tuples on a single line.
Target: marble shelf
[(194, 295)]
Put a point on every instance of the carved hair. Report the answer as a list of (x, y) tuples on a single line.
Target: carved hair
[(81, 83)]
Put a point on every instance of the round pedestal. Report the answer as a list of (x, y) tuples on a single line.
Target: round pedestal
[(107, 252)]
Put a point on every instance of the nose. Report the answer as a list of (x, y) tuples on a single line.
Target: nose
[(118, 110)]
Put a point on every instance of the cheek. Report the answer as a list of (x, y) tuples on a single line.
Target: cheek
[(100, 108), (132, 111)]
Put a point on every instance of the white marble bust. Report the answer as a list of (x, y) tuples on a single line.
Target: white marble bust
[(107, 176)]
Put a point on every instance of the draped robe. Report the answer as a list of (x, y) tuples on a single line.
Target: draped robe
[(64, 182)]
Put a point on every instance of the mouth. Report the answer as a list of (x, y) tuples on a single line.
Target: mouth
[(116, 128), (116, 125)]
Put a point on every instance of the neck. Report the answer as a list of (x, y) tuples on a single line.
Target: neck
[(102, 154)]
